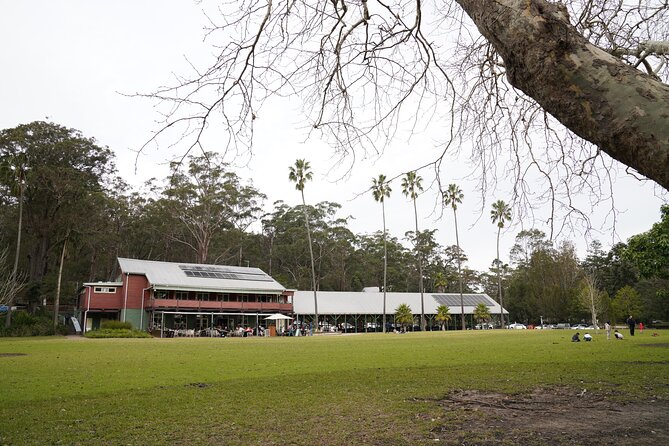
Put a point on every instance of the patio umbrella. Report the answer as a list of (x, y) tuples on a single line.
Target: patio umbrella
[(277, 317)]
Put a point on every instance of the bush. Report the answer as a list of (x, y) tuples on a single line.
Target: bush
[(26, 324), (117, 333), (115, 325)]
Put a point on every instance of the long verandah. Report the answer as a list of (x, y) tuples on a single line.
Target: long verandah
[(211, 324)]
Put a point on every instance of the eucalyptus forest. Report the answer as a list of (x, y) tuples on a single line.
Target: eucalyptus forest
[(66, 216)]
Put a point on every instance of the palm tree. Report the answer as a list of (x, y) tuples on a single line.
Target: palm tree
[(443, 315), (440, 282), (300, 173), (452, 197), (482, 313), (380, 191), (500, 214), (411, 186), (403, 316)]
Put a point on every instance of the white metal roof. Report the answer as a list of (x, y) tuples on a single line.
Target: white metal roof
[(199, 277), (350, 302)]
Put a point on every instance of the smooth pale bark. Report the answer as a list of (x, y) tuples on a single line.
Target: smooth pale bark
[(56, 303), (621, 110), (420, 271), (311, 257), (385, 262), (457, 242), (15, 270), (499, 282)]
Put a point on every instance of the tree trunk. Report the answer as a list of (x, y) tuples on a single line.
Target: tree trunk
[(499, 282), (311, 256), (56, 302), (420, 270), (597, 96), (15, 270), (39, 258), (457, 242), (385, 263)]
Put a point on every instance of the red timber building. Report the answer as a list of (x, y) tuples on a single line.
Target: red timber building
[(163, 297)]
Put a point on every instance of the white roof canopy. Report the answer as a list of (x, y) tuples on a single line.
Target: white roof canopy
[(350, 302)]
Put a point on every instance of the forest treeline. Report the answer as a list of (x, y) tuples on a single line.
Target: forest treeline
[(70, 215)]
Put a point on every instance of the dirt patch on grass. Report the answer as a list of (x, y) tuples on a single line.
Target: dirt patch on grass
[(662, 344), (550, 416), (10, 355)]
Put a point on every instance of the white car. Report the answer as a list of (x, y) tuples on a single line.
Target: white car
[(516, 326)]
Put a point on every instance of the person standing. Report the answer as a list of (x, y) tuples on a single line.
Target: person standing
[(631, 323), (640, 327), (607, 327)]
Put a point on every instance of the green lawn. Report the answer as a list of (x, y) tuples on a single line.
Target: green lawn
[(321, 390)]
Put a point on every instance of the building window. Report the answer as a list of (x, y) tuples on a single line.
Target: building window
[(104, 289), (182, 295), (202, 296), (160, 295)]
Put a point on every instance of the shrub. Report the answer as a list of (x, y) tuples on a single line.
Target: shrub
[(115, 325), (26, 324), (116, 333)]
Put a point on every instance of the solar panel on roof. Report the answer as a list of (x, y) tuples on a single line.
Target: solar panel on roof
[(470, 300), (224, 272)]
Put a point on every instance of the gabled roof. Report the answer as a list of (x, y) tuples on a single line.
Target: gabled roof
[(199, 277), (351, 302)]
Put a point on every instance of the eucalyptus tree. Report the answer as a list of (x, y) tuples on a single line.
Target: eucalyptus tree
[(13, 169), (369, 267), (381, 190), (411, 187), (452, 197), (300, 173), (207, 199), (500, 215), (333, 243), (60, 171)]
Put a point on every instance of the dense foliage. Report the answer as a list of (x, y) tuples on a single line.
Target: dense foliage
[(204, 212)]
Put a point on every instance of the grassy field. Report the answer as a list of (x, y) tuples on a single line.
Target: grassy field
[(322, 390)]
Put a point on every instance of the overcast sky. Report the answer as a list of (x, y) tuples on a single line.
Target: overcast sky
[(70, 61)]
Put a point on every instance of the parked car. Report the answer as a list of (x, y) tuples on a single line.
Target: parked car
[(516, 326), (562, 326)]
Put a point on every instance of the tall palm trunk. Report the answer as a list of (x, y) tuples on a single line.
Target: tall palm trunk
[(385, 264), (311, 256), (420, 270), (499, 282), (462, 299)]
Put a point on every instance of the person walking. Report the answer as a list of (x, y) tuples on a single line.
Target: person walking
[(607, 327), (631, 323)]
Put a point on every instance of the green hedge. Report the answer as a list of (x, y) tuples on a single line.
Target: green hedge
[(115, 325), (116, 333)]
